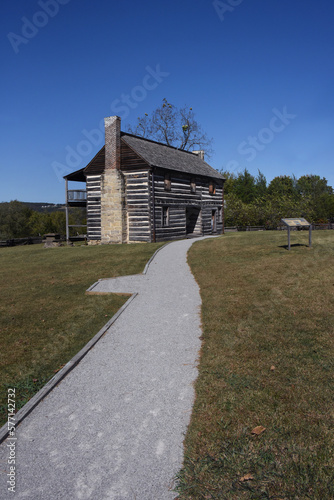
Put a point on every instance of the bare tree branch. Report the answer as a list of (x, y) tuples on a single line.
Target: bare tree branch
[(174, 127)]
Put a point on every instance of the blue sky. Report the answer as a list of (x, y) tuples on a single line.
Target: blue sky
[(259, 75)]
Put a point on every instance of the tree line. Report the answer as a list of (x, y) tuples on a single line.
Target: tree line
[(250, 201), (19, 221)]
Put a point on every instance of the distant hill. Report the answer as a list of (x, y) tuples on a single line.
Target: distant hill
[(42, 207)]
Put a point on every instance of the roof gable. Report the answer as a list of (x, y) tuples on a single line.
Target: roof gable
[(170, 158), (96, 165)]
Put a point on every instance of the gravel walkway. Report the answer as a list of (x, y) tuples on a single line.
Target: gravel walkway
[(114, 427)]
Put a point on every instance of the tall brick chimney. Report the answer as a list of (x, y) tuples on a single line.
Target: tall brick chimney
[(113, 215), (112, 126)]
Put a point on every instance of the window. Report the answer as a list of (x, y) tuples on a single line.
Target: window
[(167, 182), (212, 188), (193, 186), (165, 217)]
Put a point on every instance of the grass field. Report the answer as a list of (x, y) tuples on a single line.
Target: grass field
[(46, 318), (262, 425)]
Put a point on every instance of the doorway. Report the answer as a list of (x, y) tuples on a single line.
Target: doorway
[(214, 221), (193, 221)]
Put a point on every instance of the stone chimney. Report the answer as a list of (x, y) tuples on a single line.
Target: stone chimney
[(113, 214), (199, 153)]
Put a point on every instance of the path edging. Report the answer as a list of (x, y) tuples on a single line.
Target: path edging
[(49, 386)]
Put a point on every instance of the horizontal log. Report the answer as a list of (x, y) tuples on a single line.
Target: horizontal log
[(94, 219), (134, 181), (135, 225), (138, 214), (136, 206), (135, 174), (138, 222), (134, 239), (138, 236), (93, 199)]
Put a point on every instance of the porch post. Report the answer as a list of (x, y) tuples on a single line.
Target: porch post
[(223, 209), (66, 212), (153, 205)]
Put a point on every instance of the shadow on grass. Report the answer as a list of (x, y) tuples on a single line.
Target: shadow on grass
[(285, 247)]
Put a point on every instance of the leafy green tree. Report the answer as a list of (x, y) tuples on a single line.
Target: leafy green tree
[(320, 194), (245, 187), (235, 211), (229, 183), (313, 185), (174, 127), (282, 186), (261, 185), (279, 207), (40, 223), (14, 220)]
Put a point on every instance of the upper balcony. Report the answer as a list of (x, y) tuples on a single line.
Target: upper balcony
[(77, 197)]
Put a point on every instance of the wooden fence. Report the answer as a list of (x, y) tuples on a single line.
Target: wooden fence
[(282, 227), (20, 241)]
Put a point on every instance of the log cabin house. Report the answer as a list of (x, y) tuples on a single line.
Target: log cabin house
[(139, 190)]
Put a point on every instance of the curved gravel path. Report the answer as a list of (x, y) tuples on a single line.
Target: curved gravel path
[(114, 427)]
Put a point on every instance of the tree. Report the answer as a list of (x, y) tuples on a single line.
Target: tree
[(14, 220), (229, 182), (40, 223), (244, 187), (261, 185), (313, 186), (320, 195), (55, 222), (282, 186), (174, 127)]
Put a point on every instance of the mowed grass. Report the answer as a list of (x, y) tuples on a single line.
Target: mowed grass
[(266, 360), (46, 318)]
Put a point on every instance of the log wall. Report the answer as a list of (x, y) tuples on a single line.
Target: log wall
[(138, 196), (93, 186), (182, 205)]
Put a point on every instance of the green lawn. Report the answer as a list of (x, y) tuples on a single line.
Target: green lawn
[(266, 360), (46, 318)]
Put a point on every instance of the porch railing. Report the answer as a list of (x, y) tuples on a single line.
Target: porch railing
[(74, 195)]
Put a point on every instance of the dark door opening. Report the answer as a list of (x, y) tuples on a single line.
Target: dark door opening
[(214, 221), (193, 221)]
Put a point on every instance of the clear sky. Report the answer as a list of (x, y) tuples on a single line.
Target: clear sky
[(259, 75)]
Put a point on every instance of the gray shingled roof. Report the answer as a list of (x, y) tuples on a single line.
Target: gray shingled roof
[(161, 155), (155, 154)]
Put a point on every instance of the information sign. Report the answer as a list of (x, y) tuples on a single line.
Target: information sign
[(295, 222)]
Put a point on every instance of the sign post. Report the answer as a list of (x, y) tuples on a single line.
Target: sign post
[(297, 223)]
